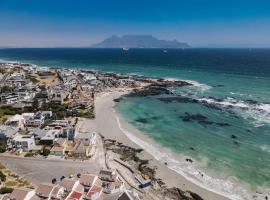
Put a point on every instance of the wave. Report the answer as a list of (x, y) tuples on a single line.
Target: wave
[(203, 87), (228, 188), (248, 109)]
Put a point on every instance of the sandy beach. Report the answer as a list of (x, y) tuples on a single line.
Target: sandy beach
[(110, 125)]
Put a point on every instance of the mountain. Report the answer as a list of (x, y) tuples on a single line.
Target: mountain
[(138, 41)]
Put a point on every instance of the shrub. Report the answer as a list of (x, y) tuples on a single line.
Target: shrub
[(29, 154), (3, 148), (6, 190), (46, 152), (2, 176)]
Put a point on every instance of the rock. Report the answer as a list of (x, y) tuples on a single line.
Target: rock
[(236, 143), (233, 136), (189, 160), (141, 120), (192, 148), (222, 124)]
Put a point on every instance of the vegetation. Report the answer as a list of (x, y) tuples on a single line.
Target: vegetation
[(3, 148), (33, 79), (6, 190), (2, 176), (59, 111), (6, 88), (46, 152), (29, 154)]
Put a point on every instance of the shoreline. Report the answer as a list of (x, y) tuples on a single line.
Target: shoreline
[(114, 129)]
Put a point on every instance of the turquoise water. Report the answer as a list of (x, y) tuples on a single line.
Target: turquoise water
[(231, 92)]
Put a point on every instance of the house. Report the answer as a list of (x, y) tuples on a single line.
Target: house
[(15, 121), (23, 142), (33, 119), (94, 192), (21, 194), (87, 180), (107, 175), (57, 151), (113, 187), (44, 190), (82, 151), (9, 98), (50, 137), (126, 195), (38, 133), (75, 196), (7, 133), (57, 193), (69, 185), (46, 114), (87, 138)]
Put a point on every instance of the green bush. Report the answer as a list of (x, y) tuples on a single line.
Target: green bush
[(29, 154), (6, 190), (3, 148), (46, 152), (2, 176)]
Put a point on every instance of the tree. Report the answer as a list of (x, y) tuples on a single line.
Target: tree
[(6, 190), (2, 176), (35, 104), (46, 152), (3, 148)]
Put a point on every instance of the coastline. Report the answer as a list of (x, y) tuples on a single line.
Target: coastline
[(116, 128)]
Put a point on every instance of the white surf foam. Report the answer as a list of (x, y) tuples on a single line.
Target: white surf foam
[(222, 187), (260, 112)]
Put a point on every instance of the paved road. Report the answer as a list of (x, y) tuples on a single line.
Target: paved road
[(38, 170), (42, 170)]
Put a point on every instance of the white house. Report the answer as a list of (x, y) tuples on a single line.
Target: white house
[(23, 142), (15, 121)]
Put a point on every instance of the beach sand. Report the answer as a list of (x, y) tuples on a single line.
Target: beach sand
[(107, 123)]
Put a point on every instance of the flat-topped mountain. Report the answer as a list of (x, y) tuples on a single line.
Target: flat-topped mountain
[(139, 41)]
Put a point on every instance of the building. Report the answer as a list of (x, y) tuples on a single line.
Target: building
[(15, 121), (44, 190), (50, 137), (88, 180), (113, 187), (69, 185), (107, 175), (59, 147), (23, 142), (75, 196), (87, 138), (33, 119), (7, 133), (57, 193), (21, 194), (94, 193)]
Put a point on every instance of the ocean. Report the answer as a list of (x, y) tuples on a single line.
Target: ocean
[(222, 122)]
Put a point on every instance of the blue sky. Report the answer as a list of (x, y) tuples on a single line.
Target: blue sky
[(201, 23)]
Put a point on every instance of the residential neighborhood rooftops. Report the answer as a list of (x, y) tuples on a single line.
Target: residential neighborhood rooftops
[(95, 189), (44, 190), (87, 179), (21, 194), (74, 196), (68, 184)]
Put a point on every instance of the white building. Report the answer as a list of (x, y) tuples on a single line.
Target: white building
[(15, 121), (23, 142)]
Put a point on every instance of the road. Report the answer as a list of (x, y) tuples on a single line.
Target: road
[(38, 170), (42, 170)]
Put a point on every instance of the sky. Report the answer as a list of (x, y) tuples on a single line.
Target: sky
[(81, 23)]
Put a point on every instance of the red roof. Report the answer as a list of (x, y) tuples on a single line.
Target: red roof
[(75, 195), (95, 189)]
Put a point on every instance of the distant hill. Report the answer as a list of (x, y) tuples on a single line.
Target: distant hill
[(139, 41)]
